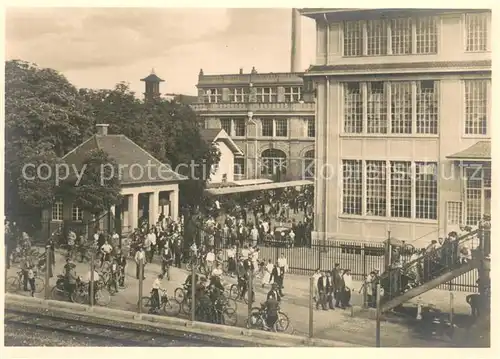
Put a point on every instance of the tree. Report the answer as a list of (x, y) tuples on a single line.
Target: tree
[(169, 130), (44, 118)]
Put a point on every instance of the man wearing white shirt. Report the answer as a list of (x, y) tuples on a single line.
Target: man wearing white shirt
[(245, 252), (347, 288), (151, 238), (231, 260), (106, 249), (140, 258), (210, 259)]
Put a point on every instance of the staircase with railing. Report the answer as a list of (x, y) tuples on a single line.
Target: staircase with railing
[(435, 267)]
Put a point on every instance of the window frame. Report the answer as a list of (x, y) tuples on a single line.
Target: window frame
[(410, 32), (263, 97), (487, 24), (239, 165), (76, 216), (487, 100), (58, 206), (213, 97), (294, 94)]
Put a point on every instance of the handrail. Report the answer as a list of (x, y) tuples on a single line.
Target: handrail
[(432, 254)]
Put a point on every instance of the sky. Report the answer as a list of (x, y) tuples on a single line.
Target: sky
[(99, 47)]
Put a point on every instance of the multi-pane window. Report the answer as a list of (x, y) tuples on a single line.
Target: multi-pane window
[(273, 162), (376, 188), (267, 94), (76, 214), (476, 26), (353, 108), (426, 190), (426, 35), (226, 124), (476, 107), (57, 210), (234, 126), (239, 127), (352, 187), (478, 193), (213, 95), (274, 127), (239, 165), (267, 127), (401, 107), (401, 36), (394, 189), (454, 213), (293, 94), (376, 121), (239, 95), (308, 170), (281, 127), (401, 189), (376, 37), (427, 107), (311, 127), (369, 103), (353, 38)]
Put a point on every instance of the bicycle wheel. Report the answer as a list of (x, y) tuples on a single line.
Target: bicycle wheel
[(145, 303), (229, 318), (230, 304), (80, 296), (186, 306), (103, 297), (13, 284), (56, 293), (39, 285), (282, 323), (254, 320), (179, 295), (171, 307), (189, 267), (234, 292)]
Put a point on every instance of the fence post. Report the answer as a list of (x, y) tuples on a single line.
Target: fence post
[(451, 312), (47, 271), (311, 306), (377, 331), (363, 256), (141, 284), (193, 289), (250, 292), (365, 293), (92, 270)]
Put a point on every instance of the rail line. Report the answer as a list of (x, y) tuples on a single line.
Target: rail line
[(122, 336)]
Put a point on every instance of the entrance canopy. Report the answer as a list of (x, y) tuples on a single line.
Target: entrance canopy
[(480, 151), (256, 187)]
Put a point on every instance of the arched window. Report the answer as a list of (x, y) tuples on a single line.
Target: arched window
[(308, 164), (273, 162)]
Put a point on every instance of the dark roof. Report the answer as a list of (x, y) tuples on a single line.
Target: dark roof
[(209, 134), (152, 78), (479, 151), (394, 66), (129, 155)]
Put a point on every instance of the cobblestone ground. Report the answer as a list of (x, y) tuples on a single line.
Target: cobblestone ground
[(354, 325)]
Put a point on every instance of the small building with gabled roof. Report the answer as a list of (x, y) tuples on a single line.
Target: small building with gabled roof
[(223, 172), (149, 187)]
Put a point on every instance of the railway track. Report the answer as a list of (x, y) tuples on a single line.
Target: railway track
[(121, 336)]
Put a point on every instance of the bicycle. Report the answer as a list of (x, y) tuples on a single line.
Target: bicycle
[(15, 283), (258, 320), (169, 306), (82, 293)]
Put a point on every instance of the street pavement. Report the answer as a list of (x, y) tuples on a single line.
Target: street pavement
[(356, 325)]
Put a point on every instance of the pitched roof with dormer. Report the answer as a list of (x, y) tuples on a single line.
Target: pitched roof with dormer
[(137, 165)]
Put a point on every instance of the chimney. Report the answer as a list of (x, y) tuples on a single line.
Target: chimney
[(241, 70), (102, 129), (296, 41)]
